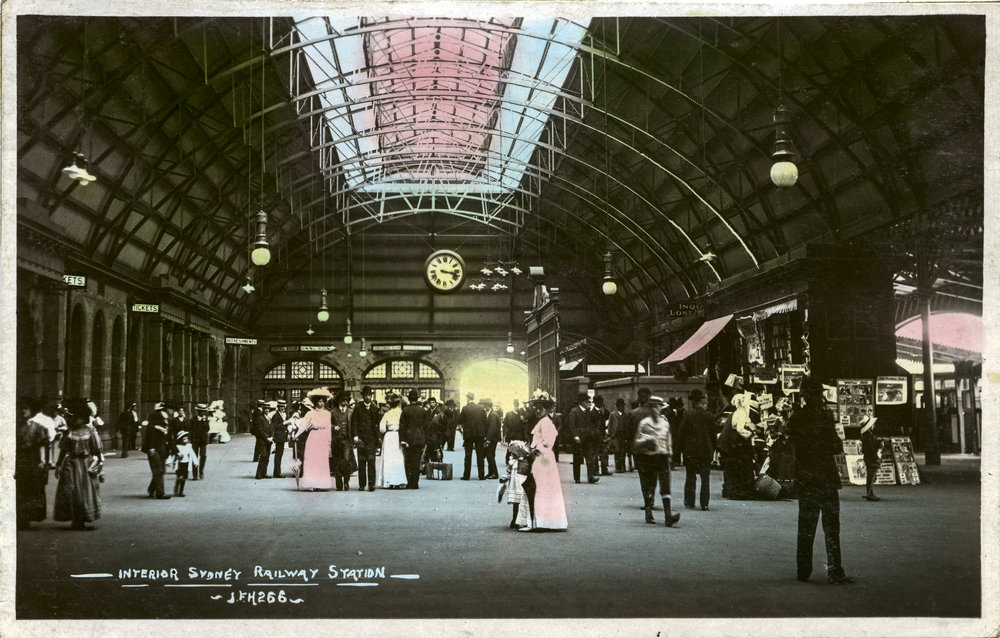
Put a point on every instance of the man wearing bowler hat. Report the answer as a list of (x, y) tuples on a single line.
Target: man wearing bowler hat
[(472, 424)]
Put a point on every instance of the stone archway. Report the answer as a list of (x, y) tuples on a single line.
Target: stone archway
[(499, 379)]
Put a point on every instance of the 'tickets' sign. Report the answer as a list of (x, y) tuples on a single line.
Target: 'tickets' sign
[(146, 307)]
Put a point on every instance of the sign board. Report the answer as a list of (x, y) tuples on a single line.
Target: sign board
[(684, 309), (765, 376), (317, 348), (765, 401), (402, 347), (146, 307), (890, 390), (75, 281), (887, 468), (611, 368), (283, 348), (240, 341), (386, 348)]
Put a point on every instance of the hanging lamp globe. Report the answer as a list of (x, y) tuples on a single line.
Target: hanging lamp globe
[(609, 287), (323, 314), (784, 172), (261, 254), (348, 339)]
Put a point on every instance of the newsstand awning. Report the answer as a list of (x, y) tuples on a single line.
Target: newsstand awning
[(699, 339)]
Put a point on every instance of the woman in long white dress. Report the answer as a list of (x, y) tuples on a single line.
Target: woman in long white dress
[(549, 511), (393, 472)]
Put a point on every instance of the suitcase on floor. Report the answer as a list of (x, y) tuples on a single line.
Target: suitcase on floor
[(767, 488), (438, 471)]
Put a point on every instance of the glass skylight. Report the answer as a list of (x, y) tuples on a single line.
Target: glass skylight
[(436, 105)]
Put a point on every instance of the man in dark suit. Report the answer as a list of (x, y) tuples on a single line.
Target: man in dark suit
[(263, 432), (817, 480), (695, 438), (199, 439), (413, 437), (157, 448), (255, 413), (279, 435), (449, 417), (363, 427), (601, 415), (128, 425), (583, 428), (491, 438), (472, 421)]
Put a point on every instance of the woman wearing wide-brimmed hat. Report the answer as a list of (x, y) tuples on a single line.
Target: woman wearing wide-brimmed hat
[(549, 509), (80, 463), (393, 470), (315, 425)]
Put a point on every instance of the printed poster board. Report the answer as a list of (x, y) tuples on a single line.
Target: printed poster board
[(887, 468), (765, 376), (890, 390), (906, 463), (855, 400)]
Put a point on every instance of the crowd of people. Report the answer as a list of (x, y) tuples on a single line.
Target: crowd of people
[(332, 438)]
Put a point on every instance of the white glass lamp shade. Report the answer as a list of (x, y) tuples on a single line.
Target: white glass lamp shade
[(348, 339), (609, 287), (323, 315), (261, 255), (510, 348), (784, 174)]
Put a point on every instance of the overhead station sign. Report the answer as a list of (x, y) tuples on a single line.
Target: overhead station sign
[(402, 347), (75, 281), (240, 341), (146, 307), (303, 348)]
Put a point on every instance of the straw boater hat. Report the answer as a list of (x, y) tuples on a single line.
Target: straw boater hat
[(867, 423), (181, 435), (201, 407)]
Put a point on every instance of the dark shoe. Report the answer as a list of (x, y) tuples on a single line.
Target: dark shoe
[(513, 525), (688, 506), (606, 473), (577, 480), (649, 517), (371, 488), (704, 508), (179, 495), (672, 519), (594, 480), (163, 497), (464, 478), (842, 579), (872, 498), (492, 476), (482, 478), (804, 578)]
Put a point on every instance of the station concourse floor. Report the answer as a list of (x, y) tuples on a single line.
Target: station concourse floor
[(445, 551)]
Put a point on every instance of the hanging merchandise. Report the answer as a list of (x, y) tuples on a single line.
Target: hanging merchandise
[(765, 376), (890, 390), (791, 376)]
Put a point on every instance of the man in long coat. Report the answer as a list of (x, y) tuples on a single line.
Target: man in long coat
[(363, 426), (472, 421), (413, 438)]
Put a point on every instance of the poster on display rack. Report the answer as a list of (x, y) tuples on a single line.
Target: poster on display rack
[(791, 376), (890, 391), (854, 401), (906, 464)]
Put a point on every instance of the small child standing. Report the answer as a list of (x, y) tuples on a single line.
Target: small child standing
[(185, 458)]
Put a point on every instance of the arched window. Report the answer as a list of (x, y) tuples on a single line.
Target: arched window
[(401, 375), (291, 379)]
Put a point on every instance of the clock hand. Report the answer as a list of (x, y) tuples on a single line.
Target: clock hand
[(453, 273)]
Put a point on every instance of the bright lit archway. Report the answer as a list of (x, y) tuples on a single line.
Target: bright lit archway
[(501, 380)]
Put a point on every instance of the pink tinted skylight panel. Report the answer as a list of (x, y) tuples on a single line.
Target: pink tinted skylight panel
[(440, 84)]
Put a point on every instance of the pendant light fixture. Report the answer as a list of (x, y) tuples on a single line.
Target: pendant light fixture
[(609, 287), (348, 339), (364, 351), (324, 313), (784, 172), (510, 343), (248, 287), (261, 254)]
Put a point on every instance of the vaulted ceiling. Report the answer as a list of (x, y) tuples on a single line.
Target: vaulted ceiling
[(371, 141)]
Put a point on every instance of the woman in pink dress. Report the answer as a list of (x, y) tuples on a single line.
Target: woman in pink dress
[(549, 511), (316, 427)]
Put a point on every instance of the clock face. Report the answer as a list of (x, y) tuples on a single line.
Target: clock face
[(444, 271)]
